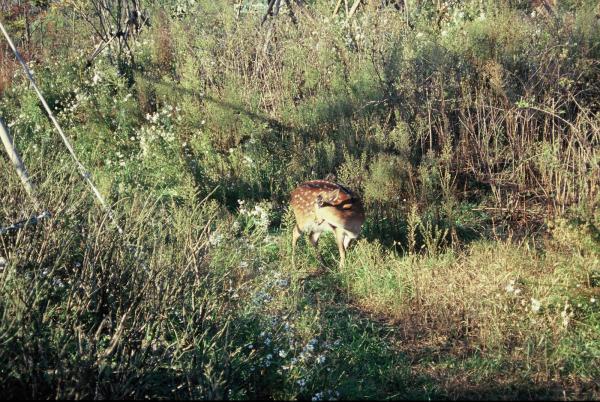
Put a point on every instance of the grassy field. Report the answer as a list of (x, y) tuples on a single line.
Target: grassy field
[(470, 129)]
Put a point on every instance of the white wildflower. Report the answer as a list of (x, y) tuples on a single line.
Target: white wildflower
[(310, 346), (536, 305), (282, 283), (215, 238), (566, 315)]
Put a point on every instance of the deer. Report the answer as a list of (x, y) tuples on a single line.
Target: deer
[(320, 206)]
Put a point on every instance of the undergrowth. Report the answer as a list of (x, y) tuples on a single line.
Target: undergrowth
[(470, 130)]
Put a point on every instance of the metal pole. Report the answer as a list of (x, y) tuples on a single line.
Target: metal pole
[(11, 150), (16, 160)]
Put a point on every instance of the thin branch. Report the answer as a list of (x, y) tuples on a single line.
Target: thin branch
[(337, 7), (269, 10), (353, 9)]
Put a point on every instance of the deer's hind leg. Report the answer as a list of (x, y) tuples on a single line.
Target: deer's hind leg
[(295, 236), (314, 239)]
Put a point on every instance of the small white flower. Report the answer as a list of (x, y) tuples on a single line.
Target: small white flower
[(536, 305), (512, 288), (593, 300), (282, 283), (282, 353), (310, 346), (566, 315), (215, 238)]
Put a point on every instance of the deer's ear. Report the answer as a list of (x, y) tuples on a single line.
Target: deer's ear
[(336, 196)]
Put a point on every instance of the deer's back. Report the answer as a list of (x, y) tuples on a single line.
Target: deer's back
[(341, 207)]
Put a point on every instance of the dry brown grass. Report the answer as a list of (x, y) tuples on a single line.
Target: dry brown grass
[(482, 304)]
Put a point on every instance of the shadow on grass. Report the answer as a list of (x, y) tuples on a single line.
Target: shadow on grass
[(383, 359)]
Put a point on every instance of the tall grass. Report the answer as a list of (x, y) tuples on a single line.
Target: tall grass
[(470, 130)]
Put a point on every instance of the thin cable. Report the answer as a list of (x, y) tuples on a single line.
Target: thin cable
[(82, 170)]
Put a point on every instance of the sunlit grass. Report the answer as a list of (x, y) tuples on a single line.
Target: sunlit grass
[(470, 132)]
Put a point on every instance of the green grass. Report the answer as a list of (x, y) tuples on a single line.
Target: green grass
[(470, 132)]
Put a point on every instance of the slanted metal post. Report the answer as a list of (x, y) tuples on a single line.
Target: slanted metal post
[(9, 145), (11, 150)]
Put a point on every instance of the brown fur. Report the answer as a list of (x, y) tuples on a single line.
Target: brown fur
[(321, 205)]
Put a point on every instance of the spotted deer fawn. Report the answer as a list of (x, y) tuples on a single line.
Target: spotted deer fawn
[(321, 205)]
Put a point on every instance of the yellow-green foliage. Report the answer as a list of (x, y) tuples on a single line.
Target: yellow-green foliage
[(470, 129)]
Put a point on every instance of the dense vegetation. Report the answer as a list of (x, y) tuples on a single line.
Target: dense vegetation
[(471, 129)]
